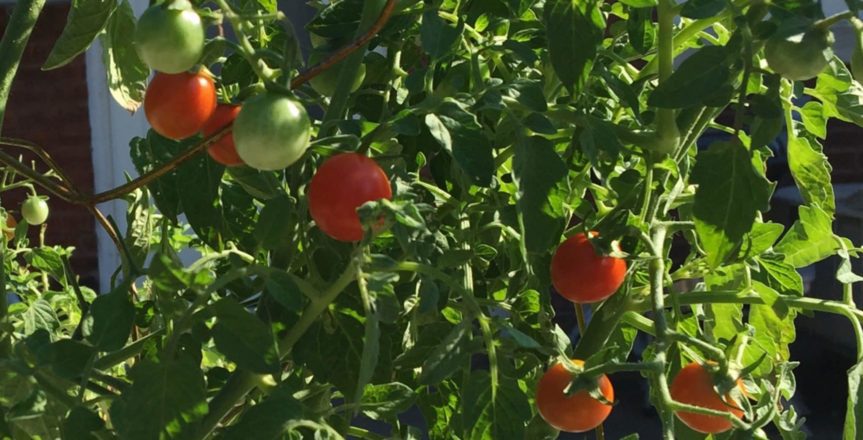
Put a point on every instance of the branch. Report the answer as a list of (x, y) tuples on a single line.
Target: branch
[(18, 30), (344, 52)]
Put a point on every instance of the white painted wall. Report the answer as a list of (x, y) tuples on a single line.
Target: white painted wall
[(111, 129)]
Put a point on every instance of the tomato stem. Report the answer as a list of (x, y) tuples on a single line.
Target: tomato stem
[(18, 30)]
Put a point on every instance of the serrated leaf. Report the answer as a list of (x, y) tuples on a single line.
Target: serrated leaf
[(86, 20), (447, 357), (459, 132), (810, 238), (268, 419), (126, 73), (537, 172), (113, 316), (385, 402), (437, 35), (503, 415), (840, 96), (574, 31), (811, 172), (244, 339), (730, 194), (149, 153), (697, 79), (40, 315), (854, 406), (165, 399)]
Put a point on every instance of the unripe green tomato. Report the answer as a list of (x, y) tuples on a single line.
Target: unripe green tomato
[(801, 56), (272, 131), (35, 210), (170, 37), (327, 82)]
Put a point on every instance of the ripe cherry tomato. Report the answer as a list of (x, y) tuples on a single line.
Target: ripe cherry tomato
[(801, 56), (169, 37), (272, 131), (35, 210), (223, 151), (178, 105), (341, 185), (577, 412), (582, 276), (694, 385), (11, 223)]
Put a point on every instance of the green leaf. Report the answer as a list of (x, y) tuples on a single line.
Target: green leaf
[(448, 357), (81, 423), (333, 351), (262, 185), (113, 316), (69, 358), (811, 172), (86, 20), (494, 417), (640, 28), (49, 260), (459, 132), (150, 153), (574, 30), (812, 114), (779, 275), (371, 352), (40, 315), (437, 35), (244, 339), (269, 419), (164, 401), (139, 226), (198, 181), (697, 79), (774, 330), (854, 406), (730, 194), (810, 239), (537, 172), (282, 288), (127, 74), (840, 95), (387, 401), (277, 224), (760, 239)]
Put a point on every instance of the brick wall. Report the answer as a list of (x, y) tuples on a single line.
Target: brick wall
[(50, 109), (844, 149)]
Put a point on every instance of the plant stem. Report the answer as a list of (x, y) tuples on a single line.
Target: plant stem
[(18, 30), (242, 381), (662, 341)]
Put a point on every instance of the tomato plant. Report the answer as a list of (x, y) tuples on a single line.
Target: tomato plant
[(223, 150), (380, 261), (169, 36), (341, 185), (577, 411), (178, 105), (271, 131)]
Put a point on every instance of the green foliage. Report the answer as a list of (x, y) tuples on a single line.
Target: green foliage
[(504, 126)]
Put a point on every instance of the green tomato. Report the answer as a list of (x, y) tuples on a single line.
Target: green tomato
[(170, 37), (35, 210), (327, 82), (272, 131), (800, 56)]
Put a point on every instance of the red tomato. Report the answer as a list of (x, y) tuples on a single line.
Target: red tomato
[(577, 412), (341, 185), (223, 151), (178, 105), (582, 276), (693, 385)]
